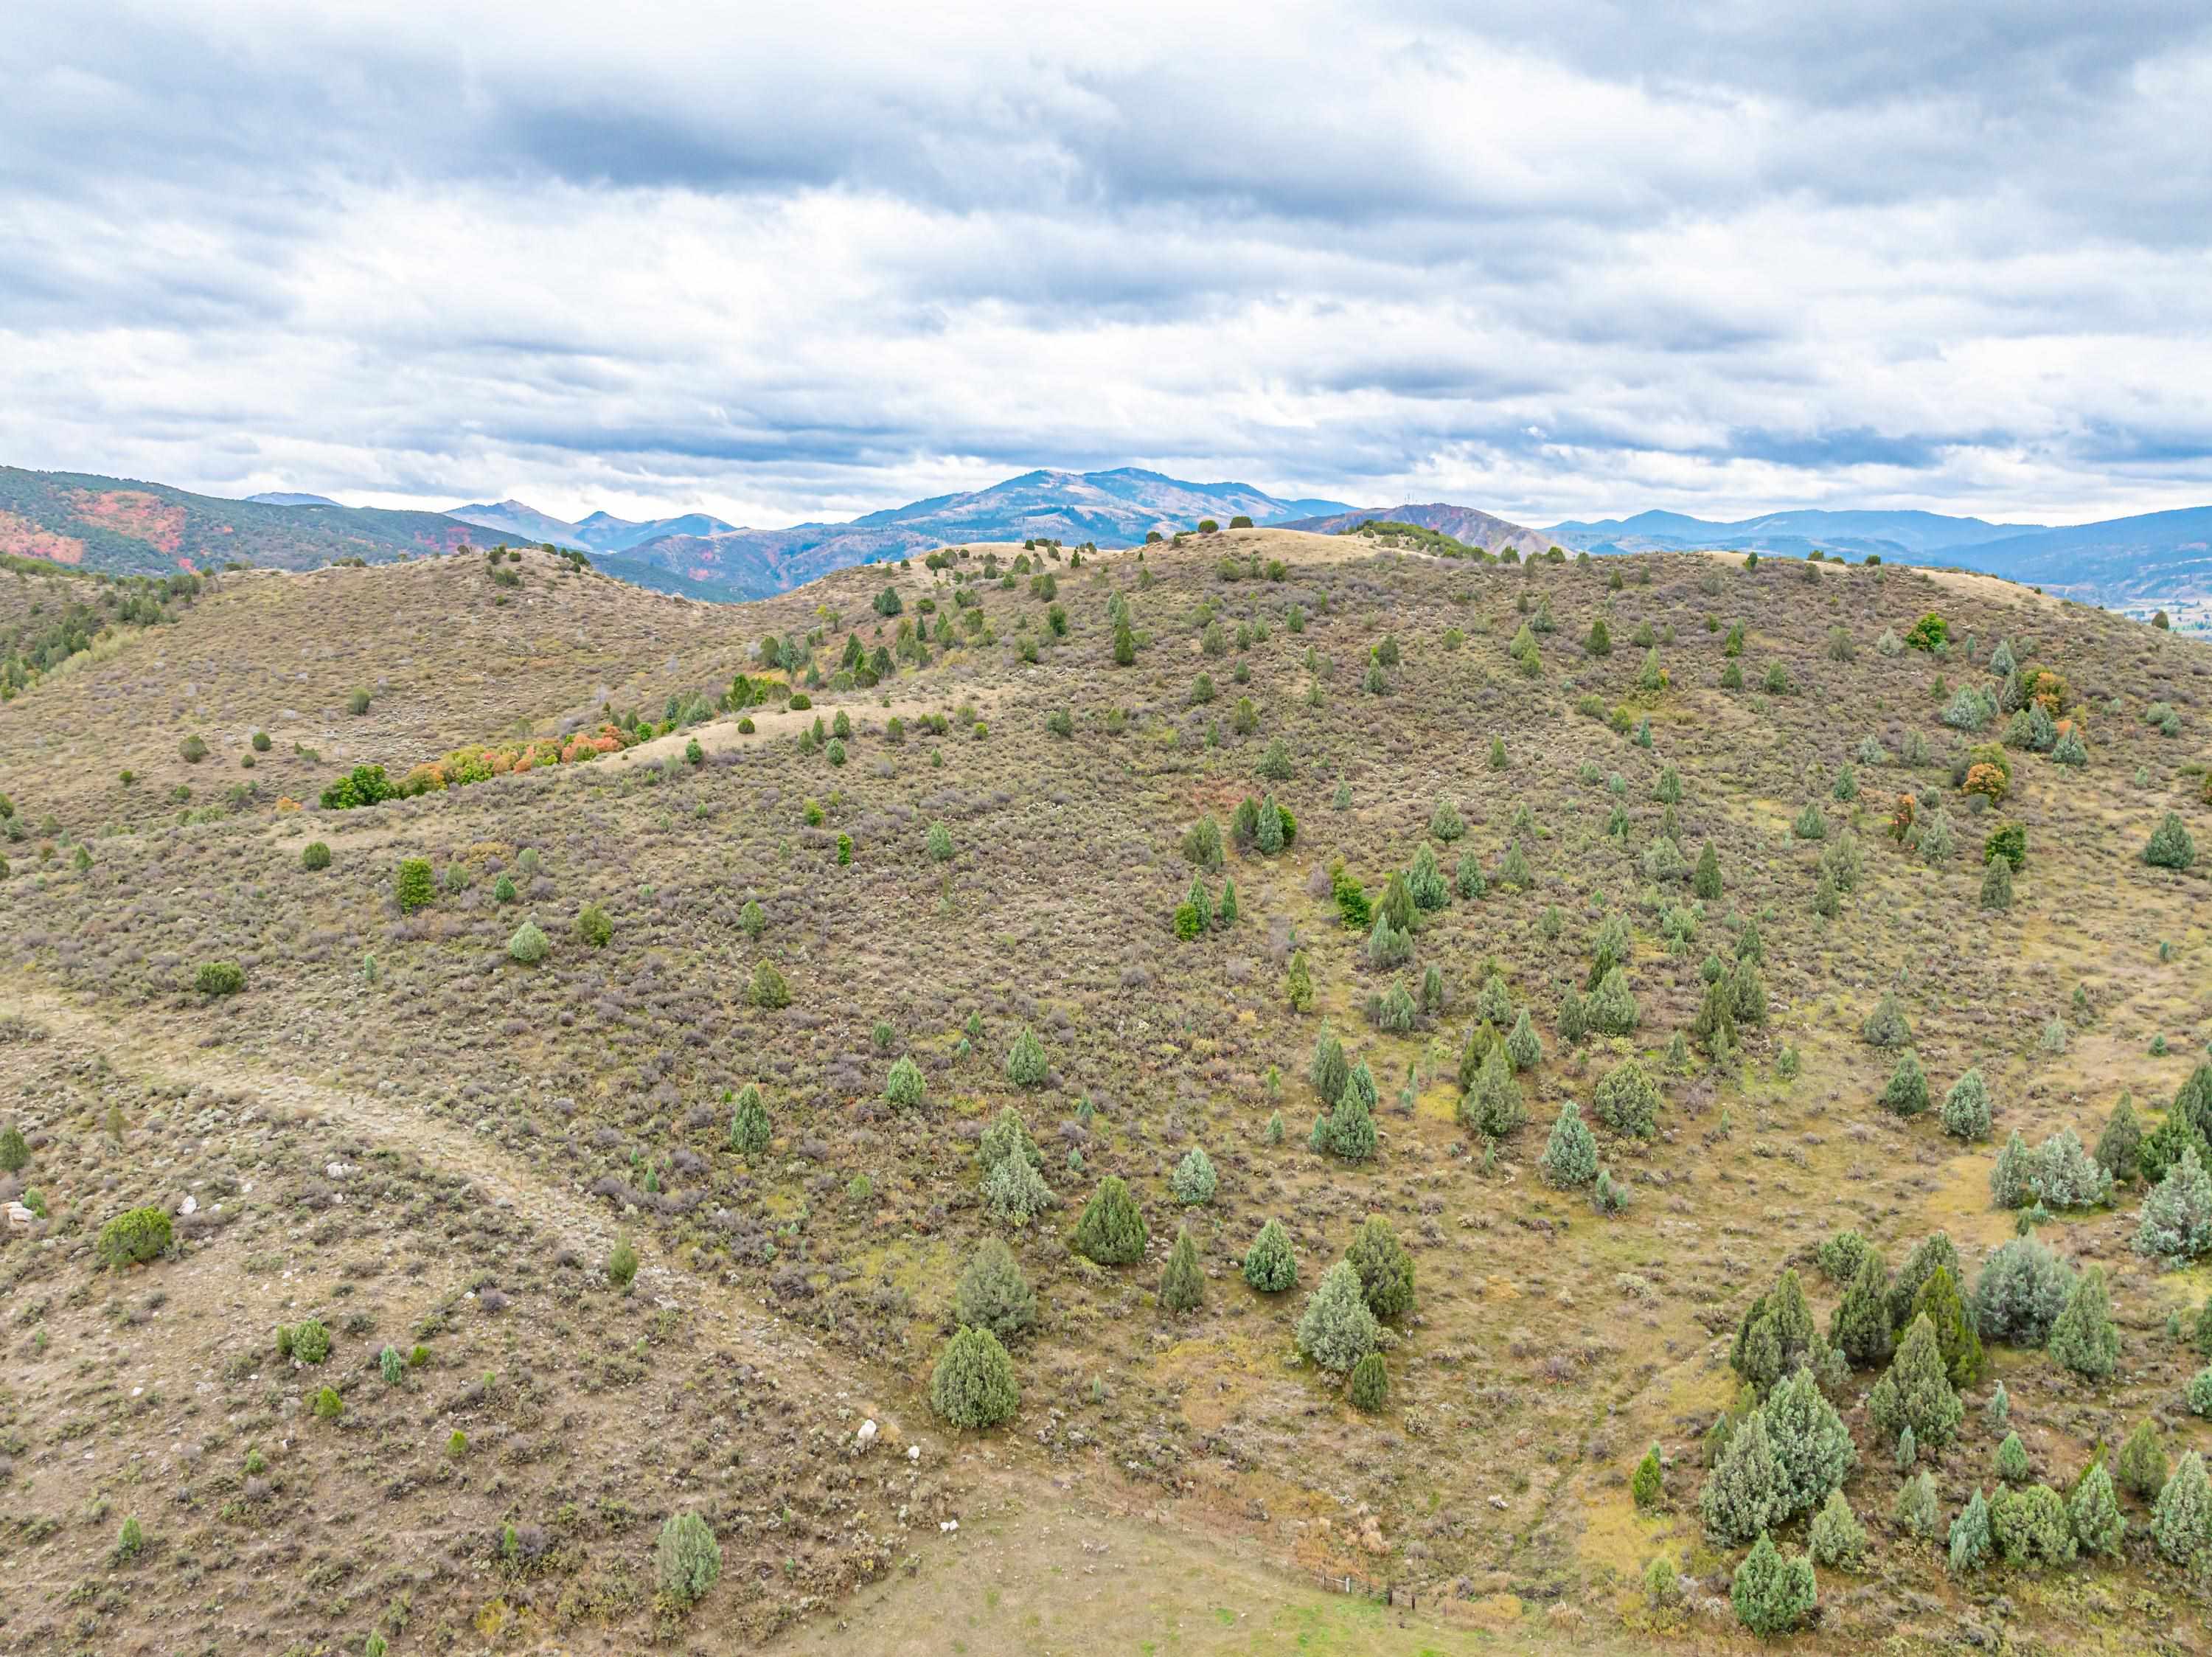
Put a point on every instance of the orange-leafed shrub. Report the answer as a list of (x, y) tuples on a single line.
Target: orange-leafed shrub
[(1901, 819), (1988, 781)]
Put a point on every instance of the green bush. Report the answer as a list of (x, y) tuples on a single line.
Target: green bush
[(1370, 1384), (219, 979), (133, 1238), (1271, 1264), (316, 855), (594, 926), (1111, 1231), (687, 1561), (973, 1384), (528, 945), (413, 885), (622, 1263)]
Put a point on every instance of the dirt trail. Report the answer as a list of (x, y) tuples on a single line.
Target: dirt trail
[(562, 1211)]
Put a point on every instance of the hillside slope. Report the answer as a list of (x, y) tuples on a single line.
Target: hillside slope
[(1463, 523), (973, 890)]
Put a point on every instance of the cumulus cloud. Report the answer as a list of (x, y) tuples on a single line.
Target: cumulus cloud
[(776, 263)]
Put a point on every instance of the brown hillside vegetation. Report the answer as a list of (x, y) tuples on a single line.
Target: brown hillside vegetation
[(430, 1106)]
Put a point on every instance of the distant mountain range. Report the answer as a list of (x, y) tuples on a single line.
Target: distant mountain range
[(2133, 563), (121, 527)]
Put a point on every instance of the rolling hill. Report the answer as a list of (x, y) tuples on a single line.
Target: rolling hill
[(1463, 523)]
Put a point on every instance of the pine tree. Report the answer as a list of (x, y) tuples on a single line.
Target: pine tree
[(1613, 1010), (1026, 1065), (1348, 1131), (2084, 1338), (1813, 1449), (1111, 1231), (1773, 1594), (1956, 1337), (1916, 1391), (2012, 1175), (1570, 1157), (1860, 1329), (2119, 1149), (1649, 1482), (1885, 1027), (1182, 1285), (1336, 1330), (1329, 1070), (1386, 1270), (1916, 1509), (2181, 1520), (1271, 1265), (1966, 1113), (1297, 984), (1627, 1102)]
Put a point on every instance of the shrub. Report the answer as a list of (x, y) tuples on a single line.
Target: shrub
[(770, 990), (219, 979), (316, 855), (1627, 1102), (1337, 1328), (939, 842), (308, 1341), (904, 1086), (622, 1263), (414, 887), (687, 1561), (1111, 1231), (1836, 1537), (1026, 1064), (133, 1238), (594, 926), (528, 945), (1271, 1265), (1570, 1157), (328, 1406)]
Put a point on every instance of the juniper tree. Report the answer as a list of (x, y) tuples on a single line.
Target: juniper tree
[(1192, 1180), (2011, 1176), (1297, 984), (1916, 1391), (1445, 822), (2171, 846), (1966, 1113), (1612, 1010), (1524, 1050), (1916, 1510), (1336, 1329), (1014, 1191), (1996, 886), (1885, 1027), (2083, 1338), (1860, 1329), (1386, 1270), (1329, 1070), (1182, 1285), (1971, 1541), (1648, 1482), (1774, 1336), (973, 1385), (1026, 1064), (1956, 1337), (1493, 1004), (1467, 876), (1933, 1251), (1493, 1106), (749, 1127), (1425, 881), (1348, 1131), (2065, 1176), (2030, 1526), (2023, 1288), (1570, 1157), (1706, 881), (1906, 1093), (1271, 1265), (1836, 1537), (2140, 1467), (1627, 1102), (1574, 1017), (1747, 994), (2181, 1520), (2094, 1514), (2012, 1466), (1773, 1594), (2176, 1216), (1813, 1449), (904, 1086), (1111, 1231), (992, 1293), (1743, 1496)]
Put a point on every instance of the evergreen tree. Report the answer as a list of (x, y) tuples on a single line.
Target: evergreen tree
[(1271, 1265), (1493, 1106), (973, 1385), (1627, 1102), (1916, 1391), (1008, 1135), (2084, 1338), (1397, 904), (1336, 1330), (1932, 1250), (1425, 881), (1111, 1231), (1649, 1482), (749, 1127), (1297, 984), (1386, 1270), (1836, 1537), (1370, 1384), (2176, 1216), (1026, 1065), (1775, 1334), (1182, 1285), (903, 1087), (1747, 994), (15, 1149), (1524, 1049), (1706, 881), (2171, 846), (1996, 886), (1612, 1010), (2119, 1149), (1813, 1449), (1906, 1093), (1916, 1510), (2181, 1520), (1745, 1494), (1773, 1594), (1014, 1191), (1329, 1070), (2012, 1466), (1570, 1156), (2011, 1176), (1347, 1131), (1956, 1337), (1885, 1027), (2022, 1290), (992, 1293), (1860, 1329), (1971, 1543), (1966, 1113), (1714, 1028), (2141, 1464), (1193, 1179), (2094, 1514), (2030, 1526)]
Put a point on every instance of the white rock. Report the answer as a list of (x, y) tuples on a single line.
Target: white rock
[(914, 1452), (190, 1205), (867, 1434), (943, 1524)]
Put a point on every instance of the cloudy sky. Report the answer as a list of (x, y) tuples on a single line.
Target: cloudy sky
[(1551, 258)]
